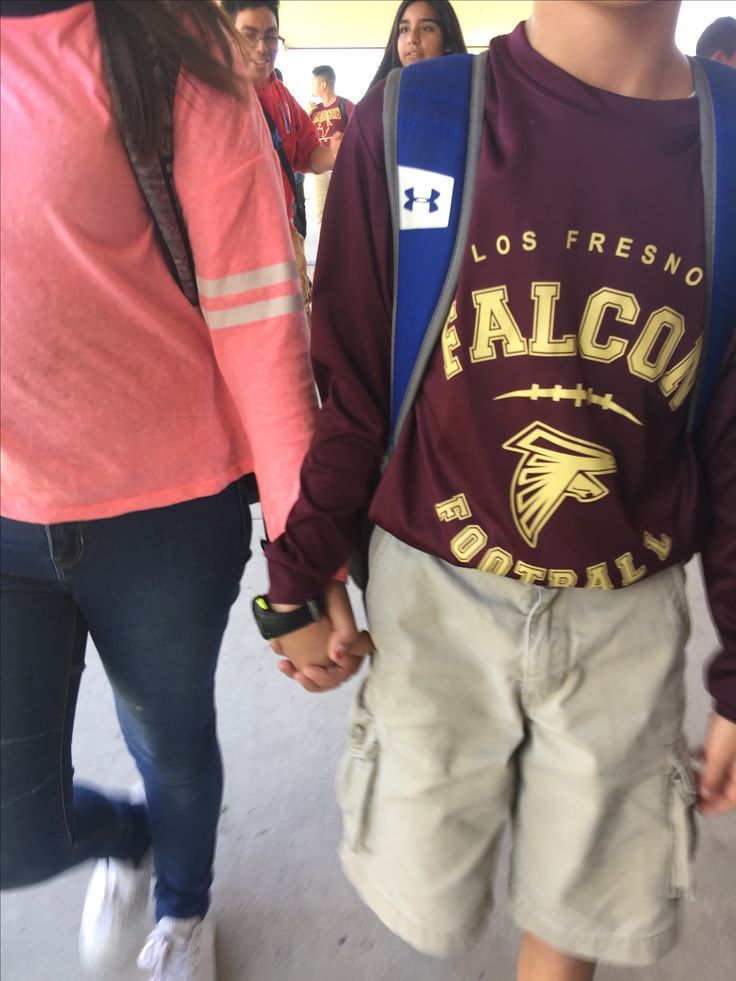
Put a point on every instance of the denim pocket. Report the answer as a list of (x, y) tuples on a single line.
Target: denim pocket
[(683, 831), (357, 777)]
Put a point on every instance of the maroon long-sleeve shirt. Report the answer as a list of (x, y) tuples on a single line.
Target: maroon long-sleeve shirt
[(548, 442)]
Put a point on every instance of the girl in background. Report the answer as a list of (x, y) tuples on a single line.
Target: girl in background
[(421, 29)]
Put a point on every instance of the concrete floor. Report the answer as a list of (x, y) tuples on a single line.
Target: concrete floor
[(284, 911)]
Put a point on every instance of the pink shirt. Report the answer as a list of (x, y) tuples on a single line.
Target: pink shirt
[(116, 394)]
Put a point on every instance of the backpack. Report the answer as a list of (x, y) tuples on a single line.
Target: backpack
[(446, 96), (155, 178)]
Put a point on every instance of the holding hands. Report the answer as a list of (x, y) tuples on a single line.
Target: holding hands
[(322, 655)]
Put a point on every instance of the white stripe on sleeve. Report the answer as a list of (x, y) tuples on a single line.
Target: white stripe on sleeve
[(216, 289), (249, 313)]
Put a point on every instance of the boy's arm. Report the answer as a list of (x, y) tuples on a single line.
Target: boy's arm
[(718, 459), (718, 778), (323, 158), (351, 351), (308, 145)]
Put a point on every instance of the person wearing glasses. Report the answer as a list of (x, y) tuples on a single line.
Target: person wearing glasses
[(294, 135)]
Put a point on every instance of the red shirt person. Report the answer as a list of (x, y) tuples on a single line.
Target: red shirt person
[(258, 22), (330, 115)]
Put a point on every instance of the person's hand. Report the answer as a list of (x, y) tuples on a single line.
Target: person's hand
[(717, 782), (308, 645), (335, 142), (323, 655)]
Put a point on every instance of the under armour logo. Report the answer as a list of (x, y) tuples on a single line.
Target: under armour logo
[(412, 199), (424, 198)]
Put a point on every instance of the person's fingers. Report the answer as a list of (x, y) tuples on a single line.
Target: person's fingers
[(286, 667), (342, 650), (717, 782), (721, 800), (324, 678), (330, 677), (306, 684), (338, 608), (276, 648)]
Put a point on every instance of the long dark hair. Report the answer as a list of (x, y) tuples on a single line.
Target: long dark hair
[(452, 35), (147, 36)]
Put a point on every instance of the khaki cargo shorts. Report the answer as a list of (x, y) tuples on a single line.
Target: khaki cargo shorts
[(560, 710)]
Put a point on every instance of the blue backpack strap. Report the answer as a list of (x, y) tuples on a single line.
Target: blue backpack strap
[(432, 147), (715, 86)]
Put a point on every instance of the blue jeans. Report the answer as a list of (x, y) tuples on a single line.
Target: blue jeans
[(154, 590)]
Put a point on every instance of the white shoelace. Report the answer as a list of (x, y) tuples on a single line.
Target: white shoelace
[(155, 955), (159, 955)]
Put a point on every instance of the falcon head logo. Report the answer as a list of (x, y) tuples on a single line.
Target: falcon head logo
[(553, 467)]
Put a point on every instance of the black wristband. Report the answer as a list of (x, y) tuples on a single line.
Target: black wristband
[(273, 624)]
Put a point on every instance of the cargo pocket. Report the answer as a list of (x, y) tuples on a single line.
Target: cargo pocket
[(357, 777), (682, 798)]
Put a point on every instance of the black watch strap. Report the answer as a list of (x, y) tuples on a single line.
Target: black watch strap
[(273, 624)]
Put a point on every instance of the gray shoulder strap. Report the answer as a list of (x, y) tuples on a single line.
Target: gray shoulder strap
[(475, 132), (390, 152)]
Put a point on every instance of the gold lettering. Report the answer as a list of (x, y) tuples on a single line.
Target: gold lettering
[(529, 573), (453, 509), (496, 561), (572, 237), (673, 263), (639, 357), (503, 245), (624, 247), (649, 254), (450, 341), (494, 322), (545, 296), (694, 276), (561, 578), (629, 573), (661, 546), (598, 577), (468, 542), (529, 241), (596, 242), (627, 310), (478, 258), (680, 379)]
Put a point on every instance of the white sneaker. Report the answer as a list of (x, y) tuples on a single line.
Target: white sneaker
[(116, 913), (181, 950)]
